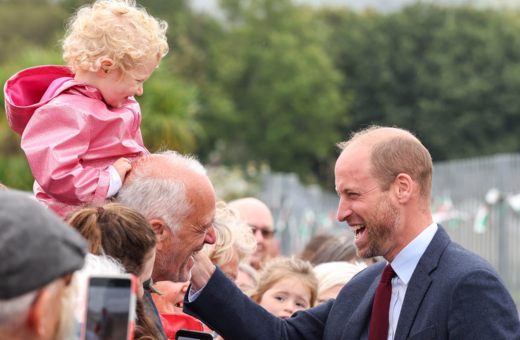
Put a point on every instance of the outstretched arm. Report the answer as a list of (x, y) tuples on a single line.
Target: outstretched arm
[(223, 307)]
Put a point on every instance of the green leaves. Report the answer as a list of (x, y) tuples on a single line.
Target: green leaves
[(169, 107), (448, 74)]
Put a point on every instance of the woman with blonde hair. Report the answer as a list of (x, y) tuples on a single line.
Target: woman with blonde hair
[(234, 248)]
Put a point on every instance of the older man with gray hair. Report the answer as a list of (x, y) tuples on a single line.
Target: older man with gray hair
[(38, 255), (174, 193)]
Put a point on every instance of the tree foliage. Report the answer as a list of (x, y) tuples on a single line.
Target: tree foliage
[(448, 74), (282, 86), (273, 82)]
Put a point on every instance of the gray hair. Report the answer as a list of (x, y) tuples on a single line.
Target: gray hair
[(13, 311), (164, 197), (94, 265)]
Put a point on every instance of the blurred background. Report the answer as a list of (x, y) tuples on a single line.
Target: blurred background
[(261, 90)]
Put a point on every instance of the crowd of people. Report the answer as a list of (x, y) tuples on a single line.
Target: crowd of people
[(103, 205)]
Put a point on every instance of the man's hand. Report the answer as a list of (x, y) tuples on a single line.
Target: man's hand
[(201, 271), (122, 166)]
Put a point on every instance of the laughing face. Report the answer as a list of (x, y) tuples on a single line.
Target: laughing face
[(175, 250), (369, 211)]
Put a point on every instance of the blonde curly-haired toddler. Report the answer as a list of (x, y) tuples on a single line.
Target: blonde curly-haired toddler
[(80, 123)]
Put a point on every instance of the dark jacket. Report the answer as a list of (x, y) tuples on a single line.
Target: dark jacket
[(453, 294)]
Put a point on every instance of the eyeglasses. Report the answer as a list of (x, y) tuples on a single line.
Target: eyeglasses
[(267, 234)]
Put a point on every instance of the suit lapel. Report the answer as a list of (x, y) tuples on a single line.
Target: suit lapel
[(355, 326), (420, 283)]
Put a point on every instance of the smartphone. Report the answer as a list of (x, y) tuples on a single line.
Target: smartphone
[(183, 334), (110, 313)]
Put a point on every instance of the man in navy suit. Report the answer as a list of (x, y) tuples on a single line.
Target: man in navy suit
[(436, 289)]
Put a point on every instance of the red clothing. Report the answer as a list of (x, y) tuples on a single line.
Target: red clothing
[(71, 138), (173, 322)]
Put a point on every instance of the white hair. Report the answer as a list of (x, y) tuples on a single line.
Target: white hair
[(331, 274), (94, 265), (161, 198), (14, 311)]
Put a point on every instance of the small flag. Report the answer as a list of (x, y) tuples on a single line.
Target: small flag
[(481, 219), (514, 202)]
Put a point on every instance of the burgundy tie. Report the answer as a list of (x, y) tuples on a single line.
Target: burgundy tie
[(379, 321)]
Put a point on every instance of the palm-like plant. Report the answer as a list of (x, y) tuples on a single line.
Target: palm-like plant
[(169, 108)]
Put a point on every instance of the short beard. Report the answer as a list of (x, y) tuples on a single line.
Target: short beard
[(163, 267), (380, 227)]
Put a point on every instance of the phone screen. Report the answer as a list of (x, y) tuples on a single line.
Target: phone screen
[(108, 308), (183, 334)]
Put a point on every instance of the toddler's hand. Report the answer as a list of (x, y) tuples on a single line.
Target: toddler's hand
[(122, 165)]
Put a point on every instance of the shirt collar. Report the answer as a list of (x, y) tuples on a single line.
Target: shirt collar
[(405, 262)]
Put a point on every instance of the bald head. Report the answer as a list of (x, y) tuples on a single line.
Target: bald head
[(394, 151), (251, 207), (255, 213)]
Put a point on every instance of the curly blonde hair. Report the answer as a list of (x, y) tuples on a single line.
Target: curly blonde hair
[(115, 29), (241, 237)]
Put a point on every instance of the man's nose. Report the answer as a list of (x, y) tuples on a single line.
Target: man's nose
[(344, 210), (211, 236), (258, 236)]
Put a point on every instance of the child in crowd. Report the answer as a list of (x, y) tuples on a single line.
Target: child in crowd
[(124, 234), (286, 286), (80, 123)]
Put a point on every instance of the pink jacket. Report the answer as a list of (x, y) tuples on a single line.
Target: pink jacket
[(70, 136)]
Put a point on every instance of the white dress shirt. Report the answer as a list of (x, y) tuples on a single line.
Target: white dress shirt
[(404, 265)]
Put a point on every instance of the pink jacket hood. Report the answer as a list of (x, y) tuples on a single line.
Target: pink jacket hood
[(23, 92)]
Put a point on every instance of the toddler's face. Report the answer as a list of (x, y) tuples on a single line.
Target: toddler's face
[(116, 87), (286, 297)]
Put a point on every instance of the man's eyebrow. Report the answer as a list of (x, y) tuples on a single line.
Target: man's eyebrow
[(203, 228)]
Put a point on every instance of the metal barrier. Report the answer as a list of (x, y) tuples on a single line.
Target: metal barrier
[(458, 195)]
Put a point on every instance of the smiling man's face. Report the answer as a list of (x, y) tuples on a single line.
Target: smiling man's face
[(369, 211), (174, 258)]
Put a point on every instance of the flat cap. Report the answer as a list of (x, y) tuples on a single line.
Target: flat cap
[(36, 247)]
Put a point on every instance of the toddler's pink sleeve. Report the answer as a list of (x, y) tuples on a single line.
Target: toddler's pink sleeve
[(55, 141)]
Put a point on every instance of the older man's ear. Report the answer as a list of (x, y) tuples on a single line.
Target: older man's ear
[(162, 232)]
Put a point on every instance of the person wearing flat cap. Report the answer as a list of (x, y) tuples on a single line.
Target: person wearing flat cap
[(38, 255)]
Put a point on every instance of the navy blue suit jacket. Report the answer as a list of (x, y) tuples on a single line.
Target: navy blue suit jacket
[(453, 294)]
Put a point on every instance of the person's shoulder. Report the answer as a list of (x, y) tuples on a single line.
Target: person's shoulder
[(463, 261)]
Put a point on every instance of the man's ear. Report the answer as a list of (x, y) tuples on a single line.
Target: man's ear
[(37, 320), (404, 186), (106, 64), (162, 232)]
